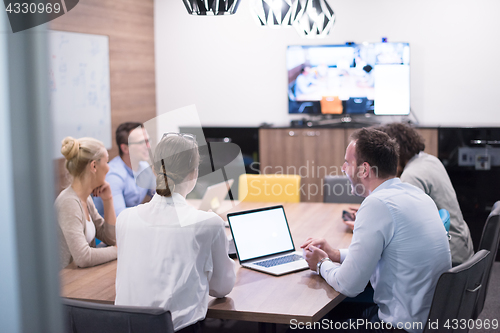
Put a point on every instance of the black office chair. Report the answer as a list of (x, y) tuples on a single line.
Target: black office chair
[(489, 241), (87, 317), (337, 189), (457, 292)]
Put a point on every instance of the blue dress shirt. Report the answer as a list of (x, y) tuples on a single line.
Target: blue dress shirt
[(399, 243), (126, 192)]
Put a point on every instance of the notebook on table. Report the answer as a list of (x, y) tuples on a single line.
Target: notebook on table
[(263, 241)]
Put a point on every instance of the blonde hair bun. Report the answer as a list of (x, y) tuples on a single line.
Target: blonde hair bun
[(70, 147), (79, 153)]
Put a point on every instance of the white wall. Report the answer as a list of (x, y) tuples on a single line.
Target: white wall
[(234, 70)]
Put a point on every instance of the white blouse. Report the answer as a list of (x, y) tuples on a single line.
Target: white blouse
[(89, 231), (173, 256)]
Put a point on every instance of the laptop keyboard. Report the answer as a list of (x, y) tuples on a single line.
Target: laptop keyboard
[(279, 260)]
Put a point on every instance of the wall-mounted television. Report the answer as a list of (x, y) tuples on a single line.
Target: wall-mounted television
[(349, 79)]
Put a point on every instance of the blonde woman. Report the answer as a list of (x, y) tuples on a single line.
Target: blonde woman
[(170, 254), (79, 221)]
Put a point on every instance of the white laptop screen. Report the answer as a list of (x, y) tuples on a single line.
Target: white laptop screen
[(261, 233)]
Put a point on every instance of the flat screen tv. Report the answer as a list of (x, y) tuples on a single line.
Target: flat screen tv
[(349, 79)]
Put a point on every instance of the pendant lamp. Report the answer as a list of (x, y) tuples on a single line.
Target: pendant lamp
[(211, 7), (277, 13), (317, 20)]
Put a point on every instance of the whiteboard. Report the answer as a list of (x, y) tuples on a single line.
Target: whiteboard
[(79, 87)]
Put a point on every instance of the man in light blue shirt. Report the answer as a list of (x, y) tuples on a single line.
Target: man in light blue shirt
[(399, 243), (133, 144)]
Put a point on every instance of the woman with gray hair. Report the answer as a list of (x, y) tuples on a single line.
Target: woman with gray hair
[(170, 254)]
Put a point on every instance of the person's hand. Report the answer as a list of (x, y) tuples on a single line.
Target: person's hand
[(319, 243), (352, 211), (103, 191), (350, 224), (313, 255)]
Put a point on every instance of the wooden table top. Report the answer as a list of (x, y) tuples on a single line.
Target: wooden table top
[(256, 296)]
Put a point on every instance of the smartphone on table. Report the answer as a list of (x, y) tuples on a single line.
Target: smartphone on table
[(347, 216)]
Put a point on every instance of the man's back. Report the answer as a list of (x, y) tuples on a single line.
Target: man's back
[(428, 173), (400, 244), (416, 253)]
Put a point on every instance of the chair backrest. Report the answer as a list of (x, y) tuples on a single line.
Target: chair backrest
[(269, 188), (87, 317), (331, 105), (337, 189), (456, 293), (445, 218), (489, 241)]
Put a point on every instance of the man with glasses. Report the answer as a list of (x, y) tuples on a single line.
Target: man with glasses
[(133, 146)]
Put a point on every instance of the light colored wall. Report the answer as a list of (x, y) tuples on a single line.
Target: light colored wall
[(234, 70), (130, 28)]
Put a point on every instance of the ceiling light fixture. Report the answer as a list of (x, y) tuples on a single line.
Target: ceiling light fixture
[(277, 13), (317, 20), (211, 7)]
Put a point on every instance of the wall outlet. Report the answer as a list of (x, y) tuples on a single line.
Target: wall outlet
[(483, 162)]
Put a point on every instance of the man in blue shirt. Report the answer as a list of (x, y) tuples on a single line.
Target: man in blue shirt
[(133, 143), (399, 243)]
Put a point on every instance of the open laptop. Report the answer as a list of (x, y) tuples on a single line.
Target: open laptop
[(263, 241), (214, 195)]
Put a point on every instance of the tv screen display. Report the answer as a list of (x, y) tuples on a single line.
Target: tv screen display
[(349, 79)]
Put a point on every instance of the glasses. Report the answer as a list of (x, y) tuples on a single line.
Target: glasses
[(187, 136), (184, 135), (142, 142)]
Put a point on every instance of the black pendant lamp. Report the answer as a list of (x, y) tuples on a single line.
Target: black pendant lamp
[(277, 13), (317, 20), (211, 7)]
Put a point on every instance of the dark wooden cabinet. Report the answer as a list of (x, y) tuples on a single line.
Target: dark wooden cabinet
[(477, 189), (431, 138), (313, 153), (310, 153)]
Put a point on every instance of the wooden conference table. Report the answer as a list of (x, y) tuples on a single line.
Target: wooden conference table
[(256, 296)]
